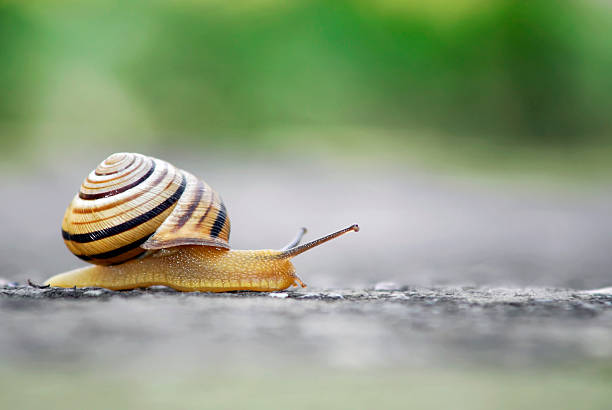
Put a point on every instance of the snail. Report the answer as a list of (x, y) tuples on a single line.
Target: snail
[(142, 222)]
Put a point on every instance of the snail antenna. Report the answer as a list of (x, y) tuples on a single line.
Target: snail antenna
[(295, 241), (290, 253)]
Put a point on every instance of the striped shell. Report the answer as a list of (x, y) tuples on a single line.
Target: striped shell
[(132, 203)]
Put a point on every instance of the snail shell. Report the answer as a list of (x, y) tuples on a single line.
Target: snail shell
[(132, 203)]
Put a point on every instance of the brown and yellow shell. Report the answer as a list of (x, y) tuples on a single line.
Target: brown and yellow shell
[(132, 203)]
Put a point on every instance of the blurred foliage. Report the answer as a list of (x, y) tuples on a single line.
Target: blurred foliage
[(519, 73)]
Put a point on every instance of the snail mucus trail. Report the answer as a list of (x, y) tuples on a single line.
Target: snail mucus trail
[(142, 222)]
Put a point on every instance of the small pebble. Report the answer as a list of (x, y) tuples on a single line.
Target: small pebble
[(310, 295), (96, 292), (602, 291), (280, 295), (400, 296)]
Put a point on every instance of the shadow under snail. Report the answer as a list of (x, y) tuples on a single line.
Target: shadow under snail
[(143, 222)]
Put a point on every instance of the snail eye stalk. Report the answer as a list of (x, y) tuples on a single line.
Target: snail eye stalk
[(290, 253)]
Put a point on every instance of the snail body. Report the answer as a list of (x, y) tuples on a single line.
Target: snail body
[(190, 268), (143, 222)]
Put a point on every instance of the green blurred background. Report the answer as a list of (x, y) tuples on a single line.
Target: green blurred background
[(524, 84)]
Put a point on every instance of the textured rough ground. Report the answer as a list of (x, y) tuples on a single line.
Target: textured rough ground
[(392, 327)]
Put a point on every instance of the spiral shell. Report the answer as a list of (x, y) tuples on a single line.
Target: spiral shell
[(132, 203)]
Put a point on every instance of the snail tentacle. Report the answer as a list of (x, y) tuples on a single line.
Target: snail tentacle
[(296, 241), (290, 253)]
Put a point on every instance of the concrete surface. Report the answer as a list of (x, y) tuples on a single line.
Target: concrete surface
[(347, 328)]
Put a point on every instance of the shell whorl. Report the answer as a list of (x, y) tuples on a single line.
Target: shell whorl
[(132, 203)]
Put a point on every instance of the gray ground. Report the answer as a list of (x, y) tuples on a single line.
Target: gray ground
[(410, 326), (470, 274)]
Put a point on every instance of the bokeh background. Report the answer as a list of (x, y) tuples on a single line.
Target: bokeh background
[(470, 139), (493, 77)]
